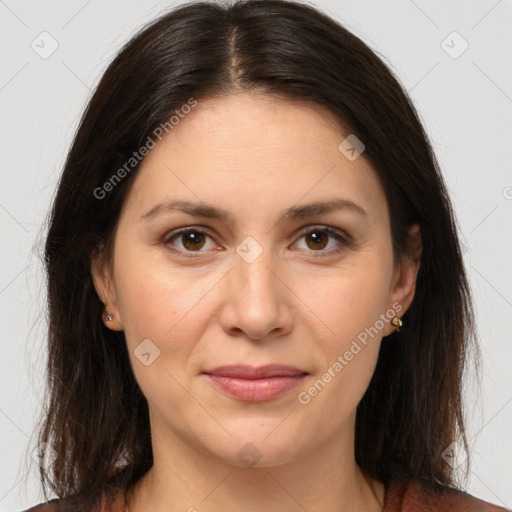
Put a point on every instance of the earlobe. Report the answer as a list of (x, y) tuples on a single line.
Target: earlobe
[(405, 276), (103, 285)]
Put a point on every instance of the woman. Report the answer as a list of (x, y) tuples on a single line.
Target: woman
[(256, 292)]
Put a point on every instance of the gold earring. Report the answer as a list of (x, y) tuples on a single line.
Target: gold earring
[(397, 321), (108, 317)]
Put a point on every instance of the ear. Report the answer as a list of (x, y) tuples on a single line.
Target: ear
[(403, 283), (104, 285)]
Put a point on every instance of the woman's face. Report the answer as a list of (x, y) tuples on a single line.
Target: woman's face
[(274, 280)]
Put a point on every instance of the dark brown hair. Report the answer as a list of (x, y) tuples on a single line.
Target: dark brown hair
[(96, 417)]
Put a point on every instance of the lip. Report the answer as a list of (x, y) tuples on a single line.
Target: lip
[(255, 372), (255, 384)]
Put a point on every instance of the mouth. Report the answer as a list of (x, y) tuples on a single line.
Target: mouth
[(255, 384)]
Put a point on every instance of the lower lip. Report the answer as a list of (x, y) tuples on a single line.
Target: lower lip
[(257, 390)]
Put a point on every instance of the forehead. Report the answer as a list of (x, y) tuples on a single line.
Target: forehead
[(254, 151), (253, 121)]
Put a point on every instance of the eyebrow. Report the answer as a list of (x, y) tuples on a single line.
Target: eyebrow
[(295, 212)]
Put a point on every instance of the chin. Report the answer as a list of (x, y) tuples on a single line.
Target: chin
[(257, 449)]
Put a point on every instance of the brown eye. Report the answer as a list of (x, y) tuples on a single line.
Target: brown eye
[(192, 240), (319, 239), (188, 240)]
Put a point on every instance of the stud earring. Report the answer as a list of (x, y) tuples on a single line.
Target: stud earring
[(108, 317), (397, 322)]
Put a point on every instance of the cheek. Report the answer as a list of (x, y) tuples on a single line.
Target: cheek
[(351, 303), (163, 305), (348, 301), (156, 316), (348, 355)]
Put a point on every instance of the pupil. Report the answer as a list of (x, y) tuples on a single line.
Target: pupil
[(192, 239), (317, 238)]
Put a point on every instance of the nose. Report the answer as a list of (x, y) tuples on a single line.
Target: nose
[(257, 303)]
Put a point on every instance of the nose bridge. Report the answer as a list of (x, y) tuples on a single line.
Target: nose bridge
[(258, 302), (252, 269)]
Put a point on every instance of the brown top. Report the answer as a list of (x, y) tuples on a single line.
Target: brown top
[(415, 496)]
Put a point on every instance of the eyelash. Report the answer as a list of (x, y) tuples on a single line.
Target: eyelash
[(344, 239)]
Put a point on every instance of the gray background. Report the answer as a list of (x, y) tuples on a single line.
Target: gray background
[(464, 99)]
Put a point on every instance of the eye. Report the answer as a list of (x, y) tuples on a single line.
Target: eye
[(317, 239), (191, 239)]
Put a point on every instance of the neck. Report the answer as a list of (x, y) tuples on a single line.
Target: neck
[(183, 478)]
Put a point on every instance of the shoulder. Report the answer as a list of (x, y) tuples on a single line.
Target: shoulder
[(107, 502), (422, 496), (48, 506)]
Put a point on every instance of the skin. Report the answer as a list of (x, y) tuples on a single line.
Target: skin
[(296, 304)]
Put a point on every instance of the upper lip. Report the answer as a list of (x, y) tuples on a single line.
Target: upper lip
[(255, 372)]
